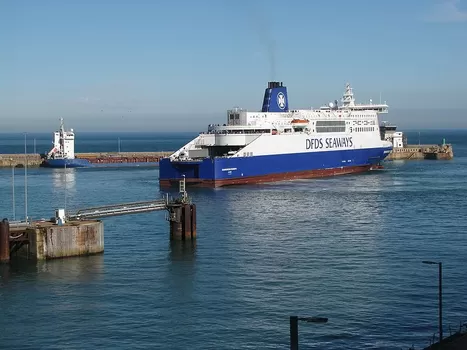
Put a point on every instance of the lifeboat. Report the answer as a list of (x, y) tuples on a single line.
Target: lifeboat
[(299, 123)]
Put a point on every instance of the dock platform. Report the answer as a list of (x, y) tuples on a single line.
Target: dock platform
[(432, 152), (35, 160), (45, 240), (81, 233)]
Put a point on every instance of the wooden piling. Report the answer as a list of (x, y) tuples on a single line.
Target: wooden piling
[(4, 241)]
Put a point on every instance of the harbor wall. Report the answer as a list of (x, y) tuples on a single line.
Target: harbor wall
[(435, 152), (51, 241), (123, 157), (35, 160), (121, 154), (19, 160)]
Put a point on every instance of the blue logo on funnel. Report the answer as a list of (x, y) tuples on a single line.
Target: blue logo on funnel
[(281, 100)]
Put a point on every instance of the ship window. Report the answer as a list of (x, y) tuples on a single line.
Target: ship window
[(330, 129), (331, 123)]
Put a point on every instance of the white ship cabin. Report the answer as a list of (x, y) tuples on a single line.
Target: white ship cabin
[(63, 144), (388, 133), (275, 118)]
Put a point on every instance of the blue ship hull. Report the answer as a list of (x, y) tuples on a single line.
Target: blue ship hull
[(214, 172), (84, 163), (70, 163)]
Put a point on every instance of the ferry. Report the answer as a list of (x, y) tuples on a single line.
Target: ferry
[(278, 143)]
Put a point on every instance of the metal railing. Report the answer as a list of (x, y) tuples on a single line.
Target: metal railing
[(118, 209)]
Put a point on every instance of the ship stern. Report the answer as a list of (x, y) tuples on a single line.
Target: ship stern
[(197, 173)]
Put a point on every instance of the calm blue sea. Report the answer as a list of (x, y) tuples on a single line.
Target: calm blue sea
[(348, 248)]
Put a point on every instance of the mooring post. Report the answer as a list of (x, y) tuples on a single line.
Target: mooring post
[(186, 235), (182, 216), (175, 218), (293, 333), (193, 221), (4, 241)]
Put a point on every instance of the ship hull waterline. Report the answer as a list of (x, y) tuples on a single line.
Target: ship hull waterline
[(251, 170), (252, 180), (84, 163)]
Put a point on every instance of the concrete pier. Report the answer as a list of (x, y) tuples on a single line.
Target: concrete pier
[(123, 157), (19, 160), (35, 160), (436, 152), (47, 240), (78, 234)]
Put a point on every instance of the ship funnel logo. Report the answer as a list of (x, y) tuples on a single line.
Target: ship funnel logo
[(281, 100)]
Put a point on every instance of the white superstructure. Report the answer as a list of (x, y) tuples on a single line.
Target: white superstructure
[(331, 127), (63, 144), (388, 133)]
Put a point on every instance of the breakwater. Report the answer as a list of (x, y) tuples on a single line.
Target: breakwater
[(440, 152), (435, 152), (35, 160), (19, 160)]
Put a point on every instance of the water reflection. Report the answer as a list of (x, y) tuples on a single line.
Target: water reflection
[(64, 178), (78, 269), (330, 204), (180, 276), (74, 269), (182, 251)]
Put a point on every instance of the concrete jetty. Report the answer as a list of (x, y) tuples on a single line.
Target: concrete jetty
[(434, 152), (123, 157), (404, 151), (47, 240), (19, 160), (81, 233), (35, 160)]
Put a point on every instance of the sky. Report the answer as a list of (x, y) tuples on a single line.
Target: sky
[(153, 65)]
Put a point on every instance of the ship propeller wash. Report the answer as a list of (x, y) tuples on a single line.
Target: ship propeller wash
[(279, 143)]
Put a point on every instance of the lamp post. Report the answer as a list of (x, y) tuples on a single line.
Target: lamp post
[(25, 180), (13, 188), (294, 328), (65, 187), (440, 295)]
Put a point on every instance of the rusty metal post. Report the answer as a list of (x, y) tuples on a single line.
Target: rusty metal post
[(186, 222), (193, 221), (4, 241), (176, 223)]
